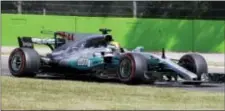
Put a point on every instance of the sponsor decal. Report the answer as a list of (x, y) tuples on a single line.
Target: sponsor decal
[(83, 62)]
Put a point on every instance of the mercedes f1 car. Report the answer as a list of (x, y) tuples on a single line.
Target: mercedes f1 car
[(101, 56)]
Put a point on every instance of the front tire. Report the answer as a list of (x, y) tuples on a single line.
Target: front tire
[(194, 63), (24, 62), (132, 68)]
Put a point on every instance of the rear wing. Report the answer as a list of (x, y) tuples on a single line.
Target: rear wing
[(29, 42), (59, 38), (25, 42)]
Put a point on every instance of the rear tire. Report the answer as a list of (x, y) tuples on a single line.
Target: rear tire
[(24, 62), (132, 68), (194, 63)]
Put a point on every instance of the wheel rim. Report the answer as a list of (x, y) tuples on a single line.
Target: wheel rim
[(16, 62), (125, 68)]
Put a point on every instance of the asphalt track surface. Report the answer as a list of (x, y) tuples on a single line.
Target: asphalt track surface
[(212, 87)]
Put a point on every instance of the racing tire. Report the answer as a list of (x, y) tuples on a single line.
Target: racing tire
[(194, 63), (132, 68), (24, 62)]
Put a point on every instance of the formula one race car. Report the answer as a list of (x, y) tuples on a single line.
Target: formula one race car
[(100, 56)]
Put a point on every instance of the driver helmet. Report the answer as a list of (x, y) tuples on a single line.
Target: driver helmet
[(115, 44)]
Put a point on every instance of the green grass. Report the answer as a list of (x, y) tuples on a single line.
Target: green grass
[(36, 94)]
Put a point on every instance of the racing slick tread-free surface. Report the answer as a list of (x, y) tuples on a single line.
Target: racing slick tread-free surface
[(138, 68), (197, 62), (30, 62)]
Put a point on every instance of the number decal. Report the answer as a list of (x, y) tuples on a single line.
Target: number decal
[(83, 62)]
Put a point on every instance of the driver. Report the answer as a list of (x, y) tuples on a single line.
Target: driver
[(115, 46)]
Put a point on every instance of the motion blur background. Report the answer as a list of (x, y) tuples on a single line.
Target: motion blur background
[(140, 9), (199, 23)]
